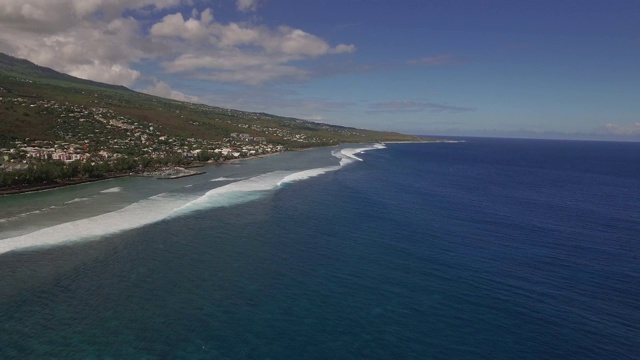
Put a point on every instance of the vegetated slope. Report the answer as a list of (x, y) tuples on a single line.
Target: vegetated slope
[(29, 93)]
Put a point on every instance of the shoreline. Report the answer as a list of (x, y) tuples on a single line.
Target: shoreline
[(37, 188), (180, 176), (235, 161), (72, 182)]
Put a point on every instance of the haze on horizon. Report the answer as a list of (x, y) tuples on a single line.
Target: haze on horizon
[(528, 68)]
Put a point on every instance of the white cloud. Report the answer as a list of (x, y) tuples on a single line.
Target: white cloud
[(93, 39), (342, 49), (283, 40), (234, 66), (175, 25), (238, 52), (55, 15), (106, 73), (630, 130), (296, 42), (223, 61), (247, 5), (85, 38), (233, 35), (163, 89)]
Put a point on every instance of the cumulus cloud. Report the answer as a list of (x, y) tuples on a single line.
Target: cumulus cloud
[(238, 52), (162, 89), (283, 40), (247, 5), (175, 25), (106, 73), (417, 106), (48, 16), (342, 48), (85, 38), (110, 40)]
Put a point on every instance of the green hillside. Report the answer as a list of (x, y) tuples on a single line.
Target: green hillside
[(35, 98)]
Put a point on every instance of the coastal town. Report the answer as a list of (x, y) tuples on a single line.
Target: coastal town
[(98, 134), (95, 135), (58, 130)]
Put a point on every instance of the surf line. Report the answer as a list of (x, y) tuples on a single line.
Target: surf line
[(167, 205)]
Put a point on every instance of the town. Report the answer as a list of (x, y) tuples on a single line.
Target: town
[(58, 130), (96, 135)]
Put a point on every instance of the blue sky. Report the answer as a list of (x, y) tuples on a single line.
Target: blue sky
[(566, 69)]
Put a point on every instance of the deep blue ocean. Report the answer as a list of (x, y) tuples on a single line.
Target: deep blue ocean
[(483, 249)]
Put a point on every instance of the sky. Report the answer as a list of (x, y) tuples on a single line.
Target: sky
[(518, 68)]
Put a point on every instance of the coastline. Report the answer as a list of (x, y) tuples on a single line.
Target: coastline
[(176, 172), (72, 182), (24, 189), (83, 212), (235, 161)]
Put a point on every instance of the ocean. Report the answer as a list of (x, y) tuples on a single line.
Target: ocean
[(480, 249)]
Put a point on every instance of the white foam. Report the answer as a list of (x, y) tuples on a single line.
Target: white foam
[(306, 174), (246, 190), (76, 200), (348, 155), (19, 216), (235, 193), (135, 215), (167, 205), (144, 212), (112, 190), (226, 179)]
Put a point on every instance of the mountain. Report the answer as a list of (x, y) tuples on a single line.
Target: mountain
[(21, 68), (38, 103)]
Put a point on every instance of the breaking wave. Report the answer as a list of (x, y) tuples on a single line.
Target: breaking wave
[(112, 190), (226, 179), (348, 155), (135, 215), (169, 205), (34, 212), (234, 193), (76, 200)]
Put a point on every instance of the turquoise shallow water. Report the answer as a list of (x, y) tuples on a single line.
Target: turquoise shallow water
[(483, 249)]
